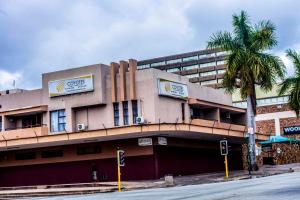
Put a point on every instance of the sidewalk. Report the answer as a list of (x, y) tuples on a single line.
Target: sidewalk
[(267, 170), (87, 188)]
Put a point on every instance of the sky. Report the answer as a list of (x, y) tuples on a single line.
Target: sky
[(39, 36)]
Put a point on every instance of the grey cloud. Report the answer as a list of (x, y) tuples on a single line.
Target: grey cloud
[(41, 36)]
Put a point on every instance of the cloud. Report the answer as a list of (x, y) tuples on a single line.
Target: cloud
[(8, 78), (43, 36), (287, 62)]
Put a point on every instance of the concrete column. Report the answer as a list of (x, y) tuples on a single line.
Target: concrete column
[(123, 70), (132, 70), (113, 71), (2, 123), (277, 126), (70, 122)]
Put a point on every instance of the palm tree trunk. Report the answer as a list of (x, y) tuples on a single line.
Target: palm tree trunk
[(251, 133)]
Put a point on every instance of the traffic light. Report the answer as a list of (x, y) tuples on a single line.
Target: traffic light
[(121, 158), (223, 147)]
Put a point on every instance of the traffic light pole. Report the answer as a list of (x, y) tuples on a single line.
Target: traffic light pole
[(226, 166), (120, 163), (119, 177), (224, 152)]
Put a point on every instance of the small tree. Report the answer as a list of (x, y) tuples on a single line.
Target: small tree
[(248, 64), (291, 85)]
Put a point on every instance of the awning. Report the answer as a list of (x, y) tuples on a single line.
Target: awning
[(279, 139)]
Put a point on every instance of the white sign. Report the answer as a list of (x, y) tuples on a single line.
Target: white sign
[(162, 141), (172, 89), (250, 130), (145, 141), (71, 86)]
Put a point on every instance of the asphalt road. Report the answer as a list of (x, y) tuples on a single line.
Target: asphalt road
[(284, 186)]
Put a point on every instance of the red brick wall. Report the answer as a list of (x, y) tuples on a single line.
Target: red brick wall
[(272, 108), (266, 127)]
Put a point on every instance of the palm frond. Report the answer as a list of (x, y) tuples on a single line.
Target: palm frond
[(285, 86), (242, 27), (222, 40), (295, 58), (264, 36)]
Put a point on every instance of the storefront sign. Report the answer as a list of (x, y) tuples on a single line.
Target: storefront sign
[(71, 86), (145, 141), (291, 130), (172, 89), (162, 141)]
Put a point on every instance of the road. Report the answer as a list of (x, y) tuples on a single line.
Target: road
[(284, 186)]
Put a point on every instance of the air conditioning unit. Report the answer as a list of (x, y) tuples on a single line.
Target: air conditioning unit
[(81, 127), (140, 120)]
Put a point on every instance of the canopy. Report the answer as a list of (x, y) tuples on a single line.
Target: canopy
[(279, 139)]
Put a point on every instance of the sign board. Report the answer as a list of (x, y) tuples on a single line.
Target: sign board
[(162, 141), (71, 86), (250, 130), (172, 89), (291, 130), (145, 141)]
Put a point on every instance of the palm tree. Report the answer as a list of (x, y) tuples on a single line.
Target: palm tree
[(248, 64), (291, 85)]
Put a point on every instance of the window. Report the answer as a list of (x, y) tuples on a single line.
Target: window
[(220, 80), (209, 82), (116, 114), (190, 67), (52, 153), (25, 156), (58, 120), (192, 75), (221, 71), (221, 62), (32, 121), (0, 123), (143, 66), (91, 149), (240, 104), (173, 70), (174, 61), (134, 110), (192, 58), (210, 64), (207, 55), (158, 64), (222, 53), (208, 73), (272, 101), (125, 113)]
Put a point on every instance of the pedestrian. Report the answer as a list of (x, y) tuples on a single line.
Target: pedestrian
[(94, 173)]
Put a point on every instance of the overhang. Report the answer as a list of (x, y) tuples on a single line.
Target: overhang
[(25, 110), (204, 130), (206, 104)]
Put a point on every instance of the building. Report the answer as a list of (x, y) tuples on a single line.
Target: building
[(273, 113), (73, 125), (205, 67)]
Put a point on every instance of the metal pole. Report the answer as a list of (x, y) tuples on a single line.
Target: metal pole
[(119, 172), (119, 178), (226, 166)]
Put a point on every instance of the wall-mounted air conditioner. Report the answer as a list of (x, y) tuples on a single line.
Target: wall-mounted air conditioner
[(140, 120), (81, 127)]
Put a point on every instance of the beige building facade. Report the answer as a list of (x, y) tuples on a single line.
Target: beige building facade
[(80, 116)]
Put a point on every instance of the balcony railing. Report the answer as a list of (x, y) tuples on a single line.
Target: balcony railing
[(24, 132)]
